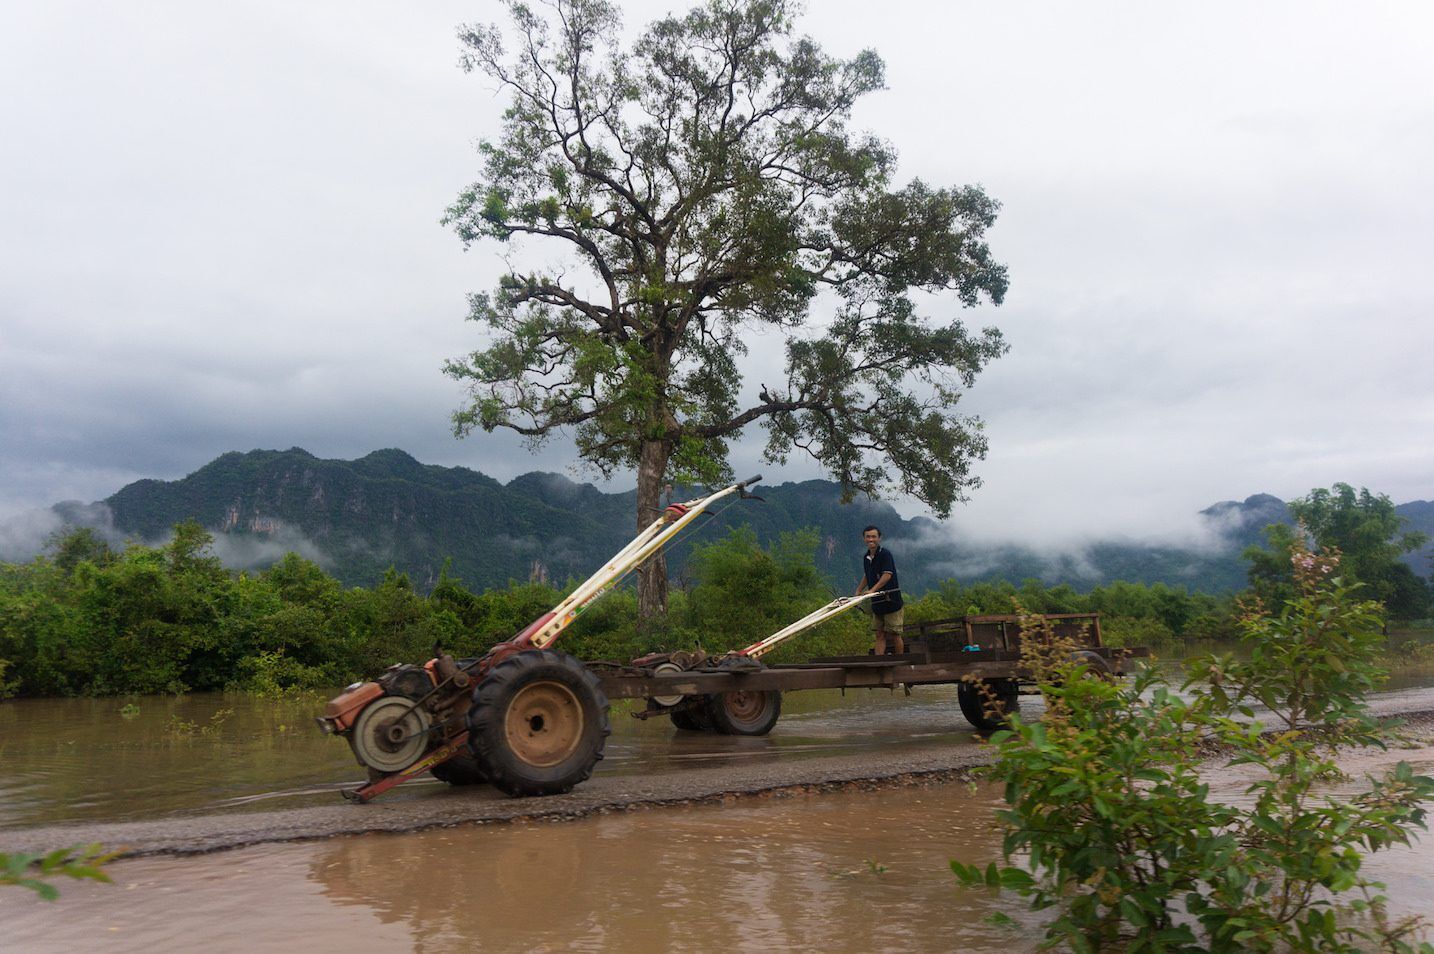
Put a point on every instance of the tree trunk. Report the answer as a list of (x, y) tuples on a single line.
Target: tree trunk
[(652, 575)]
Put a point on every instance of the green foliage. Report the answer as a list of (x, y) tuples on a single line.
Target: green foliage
[(1121, 631), (273, 673), (83, 545), (182, 729), (32, 871), (746, 592), (170, 619), (1412, 651), (1118, 832), (1365, 529), (1133, 614)]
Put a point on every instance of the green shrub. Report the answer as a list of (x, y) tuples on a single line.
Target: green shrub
[(272, 673), (88, 620), (1115, 830), (1121, 631)]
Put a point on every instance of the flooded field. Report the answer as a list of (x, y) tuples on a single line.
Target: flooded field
[(153, 757), (93, 760)]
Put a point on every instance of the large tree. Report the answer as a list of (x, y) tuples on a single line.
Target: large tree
[(705, 183)]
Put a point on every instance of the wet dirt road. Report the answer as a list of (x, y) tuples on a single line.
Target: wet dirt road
[(879, 741)]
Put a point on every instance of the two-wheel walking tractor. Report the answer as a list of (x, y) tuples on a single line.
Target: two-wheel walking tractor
[(531, 720)]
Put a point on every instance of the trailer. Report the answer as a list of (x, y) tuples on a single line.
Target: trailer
[(965, 651)]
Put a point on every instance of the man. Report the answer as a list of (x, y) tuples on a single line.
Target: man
[(879, 575)]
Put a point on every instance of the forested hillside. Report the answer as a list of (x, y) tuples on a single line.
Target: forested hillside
[(358, 518)]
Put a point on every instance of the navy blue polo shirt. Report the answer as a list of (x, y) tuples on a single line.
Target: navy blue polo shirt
[(874, 566)]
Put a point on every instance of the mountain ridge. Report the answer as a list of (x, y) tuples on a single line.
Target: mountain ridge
[(357, 518)]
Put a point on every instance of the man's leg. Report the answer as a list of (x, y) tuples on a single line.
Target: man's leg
[(880, 628)]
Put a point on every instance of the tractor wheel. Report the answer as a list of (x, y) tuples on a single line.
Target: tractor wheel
[(461, 769), (973, 703), (745, 712), (538, 723), (692, 719), (389, 735)]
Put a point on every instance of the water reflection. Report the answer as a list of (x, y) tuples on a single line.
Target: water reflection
[(858, 871)]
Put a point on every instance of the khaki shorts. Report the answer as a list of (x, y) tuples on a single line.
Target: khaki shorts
[(890, 622)]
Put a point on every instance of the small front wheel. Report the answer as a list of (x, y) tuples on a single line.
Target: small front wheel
[(389, 735)]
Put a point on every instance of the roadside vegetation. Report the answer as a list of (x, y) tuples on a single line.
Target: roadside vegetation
[(1110, 824), (85, 619), (88, 619)]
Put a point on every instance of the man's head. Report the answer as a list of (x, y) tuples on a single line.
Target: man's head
[(872, 537)]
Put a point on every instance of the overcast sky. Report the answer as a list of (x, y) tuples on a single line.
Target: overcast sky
[(220, 232)]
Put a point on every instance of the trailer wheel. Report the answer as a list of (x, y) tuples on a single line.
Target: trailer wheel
[(538, 723), (745, 712), (1096, 665), (461, 769), (973, 703), (693, 718)]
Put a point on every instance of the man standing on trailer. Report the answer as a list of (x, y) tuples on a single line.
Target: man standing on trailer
[(879, 575)]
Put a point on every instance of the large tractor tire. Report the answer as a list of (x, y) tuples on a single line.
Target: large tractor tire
[(461, 769), (538, 723), (974, 704), (744, 712)]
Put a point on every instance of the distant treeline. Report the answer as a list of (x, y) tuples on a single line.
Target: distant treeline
[(85, 619)]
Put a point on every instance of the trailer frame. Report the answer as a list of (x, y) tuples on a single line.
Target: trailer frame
[(989, 648)]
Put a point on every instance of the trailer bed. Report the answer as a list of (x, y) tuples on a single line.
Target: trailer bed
[(946, 651)]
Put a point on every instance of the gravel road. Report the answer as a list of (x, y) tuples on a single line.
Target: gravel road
[(442, 806)]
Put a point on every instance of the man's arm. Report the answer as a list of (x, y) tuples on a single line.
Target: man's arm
[(881, 581)]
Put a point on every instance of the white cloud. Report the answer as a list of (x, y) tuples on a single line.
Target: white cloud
[(221, 233)]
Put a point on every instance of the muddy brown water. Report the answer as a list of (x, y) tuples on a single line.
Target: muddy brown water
[(72, 761), (858, 871), (90, 760)]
